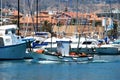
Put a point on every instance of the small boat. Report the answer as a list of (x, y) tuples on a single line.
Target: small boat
[(11, 45), (63, 53), (107, 49)]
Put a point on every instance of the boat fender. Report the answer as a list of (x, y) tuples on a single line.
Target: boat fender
[(99, 45), (40, 51), (72, 53), (83, 54)]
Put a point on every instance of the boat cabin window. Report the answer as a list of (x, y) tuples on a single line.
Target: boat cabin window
[(42, 34), (10, 30), (51, 42), (1, 42), (87, 42), (74, 42)]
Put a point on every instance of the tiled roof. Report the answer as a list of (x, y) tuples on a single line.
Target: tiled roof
[(15, 13), (46, 16)]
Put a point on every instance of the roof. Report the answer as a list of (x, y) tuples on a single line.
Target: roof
[(15, 13), (4, 27)]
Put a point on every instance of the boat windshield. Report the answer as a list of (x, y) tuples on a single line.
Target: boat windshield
[(87, 42), (10, 30)]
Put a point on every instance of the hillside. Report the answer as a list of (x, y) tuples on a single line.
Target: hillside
[(83, 5)]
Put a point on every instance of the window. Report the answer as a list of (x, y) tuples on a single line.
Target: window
[(87, 42), (1, 42)]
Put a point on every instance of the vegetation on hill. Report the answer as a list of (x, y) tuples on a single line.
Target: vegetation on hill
[(58, 4)]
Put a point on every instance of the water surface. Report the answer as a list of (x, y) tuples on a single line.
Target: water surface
[(26, 70)]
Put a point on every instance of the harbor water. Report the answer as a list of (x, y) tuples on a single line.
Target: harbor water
[(102, 68)]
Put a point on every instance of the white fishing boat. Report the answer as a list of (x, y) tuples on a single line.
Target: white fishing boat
[(11, 45), (63, 53), (116, 43)]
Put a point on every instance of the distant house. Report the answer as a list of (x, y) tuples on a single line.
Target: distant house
[(91, 21), (63, 18), (13, 14), (5, 18), (31, 23)]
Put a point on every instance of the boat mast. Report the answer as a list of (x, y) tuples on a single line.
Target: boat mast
[(31, 13), (118, 18), (37, 3), (66, 10), (104, 22), (77, 26), (76, 18), (1, 13), (18, 16)]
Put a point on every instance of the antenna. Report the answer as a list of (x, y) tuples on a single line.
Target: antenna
[(1, 12)]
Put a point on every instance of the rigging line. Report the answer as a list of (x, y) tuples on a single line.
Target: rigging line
[(110, 9), (31, 15), (83, 27), (105, 27), (5, 8), (118, 16), (25, 12), (77, 26), (111, 15), (1, 13), (76, 30), (67, 19)]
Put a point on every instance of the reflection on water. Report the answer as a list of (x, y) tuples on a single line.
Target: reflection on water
[(98, 69)]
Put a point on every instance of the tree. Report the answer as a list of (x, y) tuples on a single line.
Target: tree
[(47, 26), (14, 21), (113, 32), (73, 21)]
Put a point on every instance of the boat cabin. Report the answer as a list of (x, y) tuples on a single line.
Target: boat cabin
[(8, 35), (63, 47), (5, 40), (8, 29)]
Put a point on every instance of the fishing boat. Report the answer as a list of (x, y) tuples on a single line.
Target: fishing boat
[(63, 53), (11, 45), (88, 45)]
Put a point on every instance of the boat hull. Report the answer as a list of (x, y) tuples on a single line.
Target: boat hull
[(13, 51), (107, 51), (97, 50), (50, 57)]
